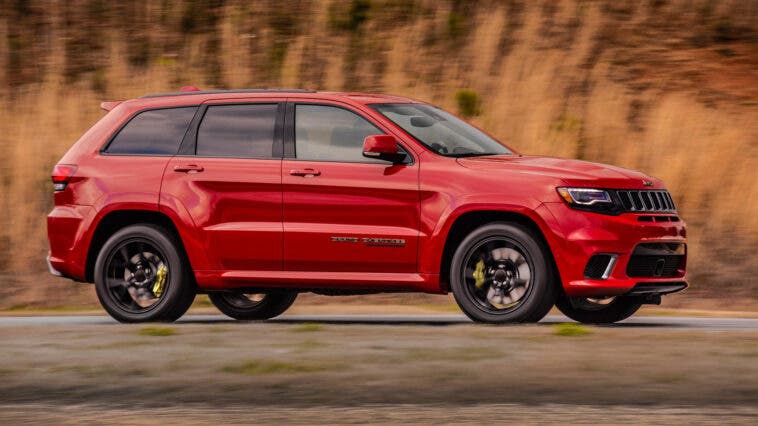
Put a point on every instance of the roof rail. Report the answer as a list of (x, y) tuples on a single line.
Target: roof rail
[(109, 105), (214, 92)]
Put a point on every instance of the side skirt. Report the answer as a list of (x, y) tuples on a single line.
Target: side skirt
[(307, 281)]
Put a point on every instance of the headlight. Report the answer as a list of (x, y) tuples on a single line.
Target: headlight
[(590, 199), (585, 196)]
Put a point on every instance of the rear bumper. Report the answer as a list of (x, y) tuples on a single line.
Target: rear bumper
[(69, 231), (582, 235)]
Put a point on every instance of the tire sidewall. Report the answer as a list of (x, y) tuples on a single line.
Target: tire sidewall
[(272, 305), (539, 295), (174, 286), (621, 308)]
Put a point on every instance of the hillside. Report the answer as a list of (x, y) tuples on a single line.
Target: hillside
[(668, 87)]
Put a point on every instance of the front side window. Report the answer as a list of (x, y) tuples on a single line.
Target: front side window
[(440, 131), (327, 133), (243, 131), (154, 132)]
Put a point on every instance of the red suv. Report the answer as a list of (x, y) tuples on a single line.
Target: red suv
[(253, 196)]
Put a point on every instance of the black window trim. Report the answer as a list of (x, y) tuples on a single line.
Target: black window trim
[(290, 149), (104, 148), (188, 147)]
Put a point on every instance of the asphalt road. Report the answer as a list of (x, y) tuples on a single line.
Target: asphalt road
[(693, 323)]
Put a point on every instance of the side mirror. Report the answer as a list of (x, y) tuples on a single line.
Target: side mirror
[(383, 147)]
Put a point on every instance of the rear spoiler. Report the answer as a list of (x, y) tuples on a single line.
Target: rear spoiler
[(110, 105)]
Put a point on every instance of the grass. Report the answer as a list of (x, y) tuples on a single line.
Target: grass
[(97, 370), (51, 309), (452, 354), (570, 329), (157, 331), (307, 345), (202, 301), (469, 103), (308, 327), (668, 378), (120, 344), (259, 367)]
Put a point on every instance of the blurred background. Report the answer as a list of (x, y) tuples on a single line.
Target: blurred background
[(669, 87)]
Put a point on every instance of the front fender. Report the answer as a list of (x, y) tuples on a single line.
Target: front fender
[(433, 243)]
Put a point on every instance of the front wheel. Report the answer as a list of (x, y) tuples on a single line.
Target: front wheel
[(597, 310), (501, 273), (258, 306)]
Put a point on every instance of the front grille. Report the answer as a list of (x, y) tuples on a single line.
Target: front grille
[(657, 260), (658, 219), (646, 201)]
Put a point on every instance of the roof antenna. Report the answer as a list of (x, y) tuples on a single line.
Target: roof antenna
[(189, 89)]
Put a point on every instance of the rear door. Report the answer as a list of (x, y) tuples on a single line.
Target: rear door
[(228, 178), (344, 212)]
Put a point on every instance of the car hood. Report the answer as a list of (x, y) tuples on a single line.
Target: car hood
[(571, 172)]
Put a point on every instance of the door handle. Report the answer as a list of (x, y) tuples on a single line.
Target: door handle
[(305, 172), (188, 168)]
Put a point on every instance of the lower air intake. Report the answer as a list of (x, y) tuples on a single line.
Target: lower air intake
[(599, 266)]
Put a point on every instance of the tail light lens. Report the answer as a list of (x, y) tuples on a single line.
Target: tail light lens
[(62, 174)]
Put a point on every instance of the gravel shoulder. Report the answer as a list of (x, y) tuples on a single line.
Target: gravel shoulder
[(367, 372)]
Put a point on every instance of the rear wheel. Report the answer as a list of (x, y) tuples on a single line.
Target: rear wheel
[(597, 310), (502, 273), (141, 275), (252, 306)]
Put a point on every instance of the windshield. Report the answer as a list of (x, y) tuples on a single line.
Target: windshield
[(440, 131)]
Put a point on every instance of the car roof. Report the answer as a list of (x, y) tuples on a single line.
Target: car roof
[(194, 96)]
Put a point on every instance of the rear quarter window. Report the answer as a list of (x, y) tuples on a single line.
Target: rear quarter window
[(153, 132)]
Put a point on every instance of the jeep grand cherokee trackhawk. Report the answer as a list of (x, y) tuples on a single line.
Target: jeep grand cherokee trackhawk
[(253, 196)]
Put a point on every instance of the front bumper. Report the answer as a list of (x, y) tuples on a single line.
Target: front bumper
[(50, 268), (579, 235)]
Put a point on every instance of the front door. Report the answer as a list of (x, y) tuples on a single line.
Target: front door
[(344, 212)]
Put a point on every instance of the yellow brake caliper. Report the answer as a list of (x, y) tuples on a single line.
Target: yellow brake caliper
[(160, 281), (479, 274)]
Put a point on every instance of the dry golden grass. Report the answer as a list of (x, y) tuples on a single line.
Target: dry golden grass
[(616, 82)]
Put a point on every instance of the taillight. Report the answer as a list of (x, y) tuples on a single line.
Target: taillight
[(62, 174)]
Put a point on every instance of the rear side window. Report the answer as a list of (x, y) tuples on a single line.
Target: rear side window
[(154, 132), (245, 131)]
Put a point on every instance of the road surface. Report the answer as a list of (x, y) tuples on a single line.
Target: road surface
[(692, 323)]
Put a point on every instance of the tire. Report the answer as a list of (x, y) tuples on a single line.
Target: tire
[(587, 311), (142, 251), (241, 307), (505, 251)]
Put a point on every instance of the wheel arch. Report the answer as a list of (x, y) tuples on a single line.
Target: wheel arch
[(118, 219), (468, 221)]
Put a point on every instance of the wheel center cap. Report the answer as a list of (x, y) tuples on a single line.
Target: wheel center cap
[(141, 277)]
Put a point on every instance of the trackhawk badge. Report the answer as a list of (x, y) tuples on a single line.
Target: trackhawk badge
[(371, 241)]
